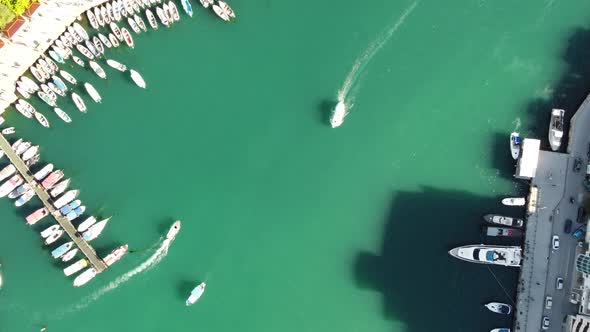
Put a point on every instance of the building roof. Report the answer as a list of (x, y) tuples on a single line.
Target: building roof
[(32, 8), (583, 264), (12, 28), (527, 164)]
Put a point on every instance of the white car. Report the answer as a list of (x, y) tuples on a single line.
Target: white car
[(548, 302), (559, 283), (545, 324), (555, 242)]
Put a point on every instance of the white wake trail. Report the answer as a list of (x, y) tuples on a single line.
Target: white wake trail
[(362, 61)]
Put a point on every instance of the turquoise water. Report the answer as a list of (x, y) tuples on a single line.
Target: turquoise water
[(295, 226)]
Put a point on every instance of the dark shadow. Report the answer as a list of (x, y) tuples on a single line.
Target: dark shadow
[(501, 157), (185, 287), (421, 286), (569, 92), (325, 109)]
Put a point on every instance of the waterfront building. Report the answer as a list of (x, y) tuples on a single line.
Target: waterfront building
[(526, 167)]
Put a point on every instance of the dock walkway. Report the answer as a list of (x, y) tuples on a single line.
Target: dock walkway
[(42, 194)]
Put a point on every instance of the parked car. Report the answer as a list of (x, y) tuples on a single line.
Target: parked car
[(567, 228), (548, 302), (581, 215), (579, 233), (577, 164), (555, 242), (545, 324), (559, 283)]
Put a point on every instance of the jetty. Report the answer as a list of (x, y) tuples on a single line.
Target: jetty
[(44, 197)]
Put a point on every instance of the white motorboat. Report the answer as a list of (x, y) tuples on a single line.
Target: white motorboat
[(127, 37), (25, 198), (92, 48), (55, 89), (116, 11), (207, 3), (151, 19), (338, 115), (173, 11), (503, 220), (133, 25), (196, 294), (92, 19), (113, 40), (23, 110), (227, 9), (66, 198), (79, 265), (46, 98), (30, 152), (99, 17), (136, 77), (37, 74), (23, 93), (21, 148), (221, 13), (85, 51), (7, 171), (514, 201), (69, 255), (61, 250), (116, 65), (97, 69), (79, 102), (140, 23), (115, 255), (79, 61), (115, 29), (43, 172), (59, 188), (168, 13), (162, 15), (105, 15), (500, 308), (174, 229), (50, 230), (86, 224), (19, 191), (98, 44), (29, 83), (92, 92), (8, 131), (556, 128), (54, 236), (85, 277), (42, 119), (62, 115), (105, 40), (110, 11), (94, 231), (484, 254)]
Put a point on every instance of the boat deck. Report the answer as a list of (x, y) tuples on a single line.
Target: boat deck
[(42, 194)]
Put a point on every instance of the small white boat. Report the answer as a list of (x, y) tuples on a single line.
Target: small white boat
[(46, 98), (54, 236), (173, 11), (69, 255), (72, 36), (92, 19), (188, 9), (79, 265), (338, 115), (174, 229), (55, 89), (556, 128), (62, 115), (61, 250), (66, 198), (25, 198), (79, 61), (43, 172), (33, 160), (515, 145), (10, 185), (98, 69), (37, 74), (59, 188), (53, 68), (19, 191), (23, 110), (94, 231), (90, 46), (30, 152), (151, 19), (105, 40), (92, 92), (207, 3), (56, 56), (110, 12), (23, 93), (8, 131), (127, 37), (79, 102), (98, 44), (50, 230), (42, 119), (116, 65), (105, 15), (113, 40), (22, 147), (133, 25), (221, 13), (86, 224), (30, 83), (162, 15), (116, 11), (500, 308), (86, 52), (115, 29), (168, 13), (140, 22), (196, 294), (514, 201), (136, 77), (7, 171), (99, 17), (85, 277)]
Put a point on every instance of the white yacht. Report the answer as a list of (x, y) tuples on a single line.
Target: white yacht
[(485, 254), (92, 92), (503, 220), (514, 201), (556, 128), (136, 77), (338, 115), (515, 143), (196, 293), (499, 308)]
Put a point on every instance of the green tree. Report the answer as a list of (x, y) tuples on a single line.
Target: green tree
[(17, 6)]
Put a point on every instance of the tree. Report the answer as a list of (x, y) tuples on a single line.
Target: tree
[(17, 6)]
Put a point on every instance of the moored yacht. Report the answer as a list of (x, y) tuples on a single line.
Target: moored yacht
[(50, 230), (113, 40), (556, 128), (66, 198), (514, 201), (10, 185), (503, 232), (86, 224), (188, 9), (221, 13), (162, 15), (502, 220), (92, 92), (133, 25), (98, 69), (94, 231), (62, 114), (59, 251), (485, 254), (515, 145), (227, 9), (136, 77), (79, 61), (196, 294), (34, 217), (69, 255), (19, 191), (75, 213), (59, 188), (25, 198), (79, 102), (140, 22), (79, 265), (42, 173), (85, 277), (127, 37), (52, 179), (42, 119), (151, 19), (70, 206), (116, 65), (499, 308), (54, 236)]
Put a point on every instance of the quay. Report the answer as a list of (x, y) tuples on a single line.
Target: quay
[(42, 194)]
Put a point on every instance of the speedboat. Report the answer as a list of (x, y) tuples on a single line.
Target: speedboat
[(556, 128), (92, 19), (19, 191), (500, 308), (98, 69), (113, 40), (42, 173), (71, 39), (47, 90), (92, 92), (173, 11), (79, 102), (133, 25), (59, 83), (94, 231), (116, 65), (86, 52), (136, 77), (42, 119), (514, 201), (59, 251), (23, 147), (162, 15), (515, 145), (127, 37), (79, 61), (23, 110), (75, 213), (80, 31), (140, 22), (52, 179), (207, 3), (151, 19), (30, 152), (79, 265), (85, 277), (69, 255), (62, 115), (502, 220), (8, 186), (115, 29), (34, 217), (338, 115), (70, 206), (115, 255), (98, 44), (188, 9), (105, 15), (105, 40), (227, 9), (99, 17), (25, 198), (50, 230), (8, 131), (174, 229), (485, 254), (86, 224), (54, 236), (66, 198), (196, 294), (59, 188)]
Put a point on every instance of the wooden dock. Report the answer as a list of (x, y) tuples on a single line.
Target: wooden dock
[(42, 194)]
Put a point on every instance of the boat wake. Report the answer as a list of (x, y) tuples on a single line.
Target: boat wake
[(362, 61), (152, 261), (516, 124)]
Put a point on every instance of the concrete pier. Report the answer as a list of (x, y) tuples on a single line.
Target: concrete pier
[(44, 197)]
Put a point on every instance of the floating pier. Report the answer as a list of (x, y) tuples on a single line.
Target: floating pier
[(43, 196)]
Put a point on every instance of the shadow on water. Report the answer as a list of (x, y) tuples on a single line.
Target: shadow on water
[(325, 108), (185, 287), (569, 92), (419, 283), (500, 154)]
